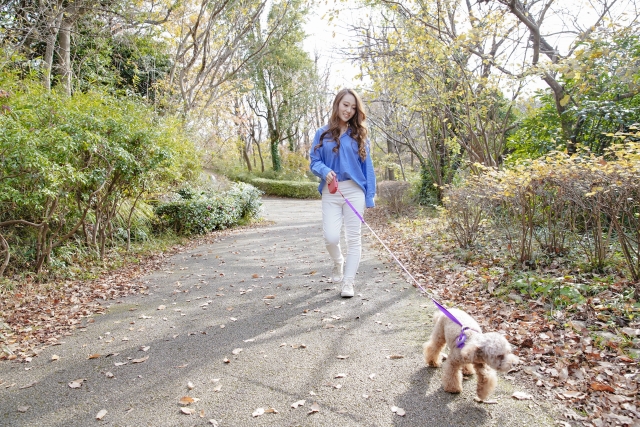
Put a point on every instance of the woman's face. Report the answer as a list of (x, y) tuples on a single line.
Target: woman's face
[(346, 108)]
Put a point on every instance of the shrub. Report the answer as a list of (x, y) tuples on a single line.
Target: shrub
[(199, 213), (537, 206), (395, 195), (293, 189), (248, 199), (465, 210), (71, 167)]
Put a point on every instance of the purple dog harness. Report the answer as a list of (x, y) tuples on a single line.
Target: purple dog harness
[(462, 338)]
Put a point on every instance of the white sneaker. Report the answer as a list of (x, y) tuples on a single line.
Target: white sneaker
[(337, 272), (347, 289)]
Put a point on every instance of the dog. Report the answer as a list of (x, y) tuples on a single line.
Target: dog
[(480, 353)]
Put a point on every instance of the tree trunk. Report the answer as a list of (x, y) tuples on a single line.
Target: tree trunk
[(4, 247), (245, 153), (54, 28), (64, 42), (260, 156)]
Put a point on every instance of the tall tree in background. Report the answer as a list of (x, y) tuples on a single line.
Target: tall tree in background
[(437, 100), (284, 78), (549, 24)]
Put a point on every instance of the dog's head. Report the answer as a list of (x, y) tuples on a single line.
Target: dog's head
[(494, 350)]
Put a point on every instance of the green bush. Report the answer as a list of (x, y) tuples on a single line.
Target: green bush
[(201, 213), (72, 167), (292, 189)]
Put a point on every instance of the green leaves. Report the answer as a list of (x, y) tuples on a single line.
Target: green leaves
[(62, 157)]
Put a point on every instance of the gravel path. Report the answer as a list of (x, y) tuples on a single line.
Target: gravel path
[(251, 322)]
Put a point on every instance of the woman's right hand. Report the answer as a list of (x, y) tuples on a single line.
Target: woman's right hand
[(330, 177)]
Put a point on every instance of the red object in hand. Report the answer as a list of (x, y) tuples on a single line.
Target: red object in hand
[(333, 186)]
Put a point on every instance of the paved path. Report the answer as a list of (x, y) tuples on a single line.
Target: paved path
[(261, 290)]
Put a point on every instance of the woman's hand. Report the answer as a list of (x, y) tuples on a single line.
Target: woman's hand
[(330, 177)]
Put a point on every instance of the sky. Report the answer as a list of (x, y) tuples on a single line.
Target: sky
[(324, 39)]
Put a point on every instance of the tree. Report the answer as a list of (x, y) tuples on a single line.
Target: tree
[(283, 77), (438, 100), (541, 19)]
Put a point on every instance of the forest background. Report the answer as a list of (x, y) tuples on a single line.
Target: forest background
[(505, 135)]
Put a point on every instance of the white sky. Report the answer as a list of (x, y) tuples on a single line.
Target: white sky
[(324, 39)]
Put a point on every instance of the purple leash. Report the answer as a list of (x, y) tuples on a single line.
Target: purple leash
[(463, 336)]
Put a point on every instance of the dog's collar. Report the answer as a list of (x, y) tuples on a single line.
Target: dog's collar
[(463, 336)]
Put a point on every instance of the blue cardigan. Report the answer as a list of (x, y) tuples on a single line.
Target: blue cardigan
[(346, 163)]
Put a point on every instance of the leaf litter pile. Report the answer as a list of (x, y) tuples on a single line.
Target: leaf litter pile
[(579, 355)]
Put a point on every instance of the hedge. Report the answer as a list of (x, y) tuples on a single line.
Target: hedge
[(292, 189)]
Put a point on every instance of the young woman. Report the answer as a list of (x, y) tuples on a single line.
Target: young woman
[(340, 151)]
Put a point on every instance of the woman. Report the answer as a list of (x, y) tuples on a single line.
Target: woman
[(340, 150)]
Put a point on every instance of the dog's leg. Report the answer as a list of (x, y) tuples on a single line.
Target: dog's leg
[(452, 376), (487, 380), (432, 349), (467, 369)]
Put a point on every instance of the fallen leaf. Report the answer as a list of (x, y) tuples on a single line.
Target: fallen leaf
[(143, 359), (93, 356), (214, 423), (255, 276), (314, 408), (340, 376), (187, 411), (146, 348), (108, 375), (295, 405), (236, 351), (161, 307), (190, 385), (258, 412), (269, 297), (186, 400), (271, 411), (100, 415), (615, 398), (201, 413), (520, 395), (76, 383), (602, 387), (372, 376), (55, 357), (23, 409), (342, 357), (572, 394), (395, 356), (225, 360), (217, 388)]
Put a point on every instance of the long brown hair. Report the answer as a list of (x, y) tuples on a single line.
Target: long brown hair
[(356, 124)]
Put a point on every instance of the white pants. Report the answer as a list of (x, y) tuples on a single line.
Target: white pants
[(335, 212)]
